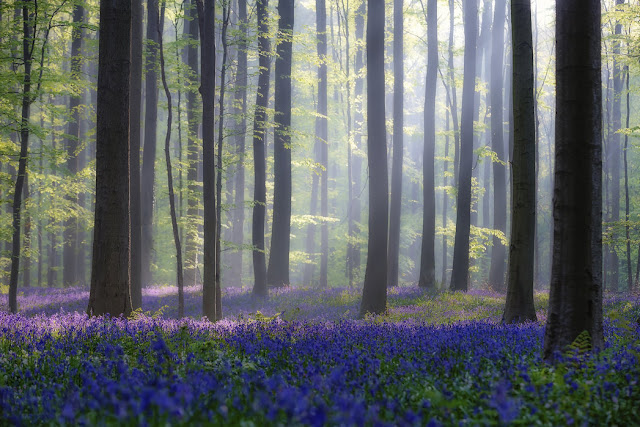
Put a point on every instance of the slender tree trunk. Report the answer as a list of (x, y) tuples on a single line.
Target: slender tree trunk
[(278, 272), (575, 300), (427, 259), (393, 252), (454, 97), (135, 115), (498, 253), (235, 259), (191, 272), (259, 143), (22, 161), (519, 305), (172, 199), (460, 272), (626, 188), (206, 17), (323, 136), (374, 292), (26, 276), (111, 266), (147, 179), (70, 252)]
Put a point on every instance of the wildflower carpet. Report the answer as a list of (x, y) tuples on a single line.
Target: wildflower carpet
[(300, 358)]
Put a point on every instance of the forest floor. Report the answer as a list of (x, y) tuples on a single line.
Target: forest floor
[(300, 358)]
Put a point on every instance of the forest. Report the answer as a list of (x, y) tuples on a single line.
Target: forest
[(319, 212)]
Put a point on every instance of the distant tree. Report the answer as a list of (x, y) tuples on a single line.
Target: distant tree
[(575, 300), (135, 115), (191, 272), (70, 253), (278, 272), (498, 251), (259, 143), (460, 272), (374, 292), (110, 272), (150, 139), (519, 304), (395, 212), (323, 145), (206, 18), (427, 259)]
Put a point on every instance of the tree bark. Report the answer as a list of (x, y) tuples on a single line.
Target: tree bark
[(575, 301), (460, 271), (111, 267), (374, 292), (427, 278), (278, 272), (519, 305), (259, 142), (498, 252), (150, 141), (135, 115)]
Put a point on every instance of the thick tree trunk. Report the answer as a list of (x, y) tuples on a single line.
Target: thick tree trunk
[(498, 252), (575, 301), (453, 106), (393, 252), (427, 259), (278, 272), (519, 305), (460, 271), (259, 143), (235, 258), (206, 17), (191, 271), (111, 267), (70, 252), (147, 180), (135, 99), (374, 292)]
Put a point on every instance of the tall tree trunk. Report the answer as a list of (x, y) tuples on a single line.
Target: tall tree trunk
[(172, 199), (191, 272), (427, 259), (614, 150), (22, 161), (374, 292), (111, 265), (498, 252), (235, 258), (323, 137), (135, 115), (259, 143), (70, 252), (147, 180), (206, 17), (575, 300), (278, 272), (460, 272), (393, 252), (26, 275), (453, 106), (626, 188), (519, 305)]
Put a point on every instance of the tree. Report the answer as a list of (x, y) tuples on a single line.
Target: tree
[(135, 113), (323, 144), (191, 272), (575, 300), (147, 179), (519, 305), (278, 272), (460, 272), (206, 18), (498, 252), (240, 102), (70, 254), (374, 292), (259, 142), (110, 272), (398, 144), (427, 259)]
